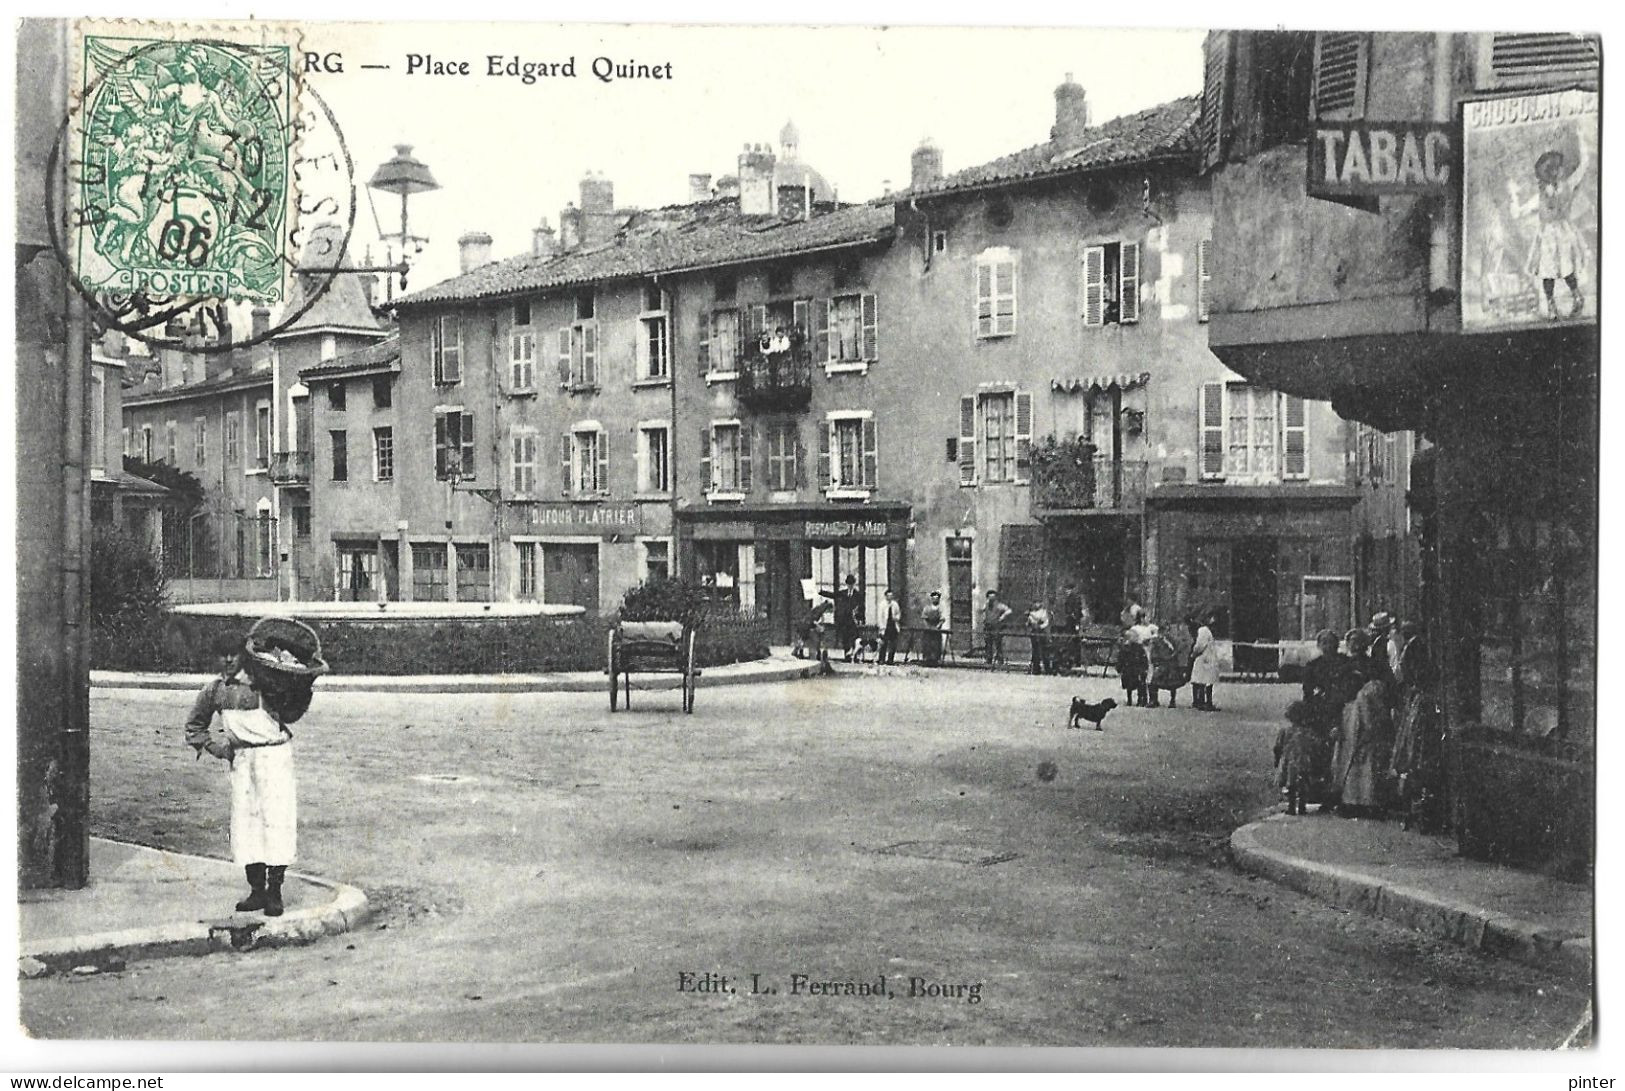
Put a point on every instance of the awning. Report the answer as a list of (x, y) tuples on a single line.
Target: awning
[(1087, 384)]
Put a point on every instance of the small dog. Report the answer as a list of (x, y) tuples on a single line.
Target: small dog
[(867, 650), (1093, 711)]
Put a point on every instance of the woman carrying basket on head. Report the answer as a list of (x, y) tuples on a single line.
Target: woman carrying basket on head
[(264, 686)]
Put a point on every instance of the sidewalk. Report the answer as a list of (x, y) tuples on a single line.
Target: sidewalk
[(775, 668), (149, 903), (1420, 882)]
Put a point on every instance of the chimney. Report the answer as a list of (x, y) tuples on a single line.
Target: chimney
[(699, 187), (925, 165), (597, 209), (728, 186), (757, 196), (543, 242), (473, 251), (260, 321), (569, 228), (1071, 113)]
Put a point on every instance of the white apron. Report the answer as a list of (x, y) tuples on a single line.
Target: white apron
[(264, 813)]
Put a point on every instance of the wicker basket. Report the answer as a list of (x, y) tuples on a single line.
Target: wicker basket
[(283, 646)]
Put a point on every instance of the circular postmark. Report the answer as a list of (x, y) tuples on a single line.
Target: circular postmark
[(203, 178)]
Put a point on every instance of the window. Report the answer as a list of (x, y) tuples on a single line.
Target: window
[(383, 391), (939, 242), (264, 543), (1006, 436), (453, 444), (724, 289), (996, 292), (383, 454), (200, 442), (727, 569), (146, 443), (340, 442), (1341, 60), (578, 356), (719, 344), (330, 346), (654, 341), (726, 459), (522, 446), (521, 313), (429, 572), (586, 306), (98, 419), (780, 281), (335, 396), (1111, 284), (831, 564), (783, 455), (447, 349), (473, 572), (262, 435), (522, 360), (848, 453), (654, 458), (656, 559), (845, 330), (1536, 60), (170, 454), (526, 556), (301, 520), (1204, 275), (128, 448), (584, 460), (1252, 433), (233, 438)]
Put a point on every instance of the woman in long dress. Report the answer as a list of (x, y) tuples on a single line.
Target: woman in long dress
[(1204, 666), (1360, 764)]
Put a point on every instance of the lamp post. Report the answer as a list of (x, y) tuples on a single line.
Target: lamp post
[(401, 174)]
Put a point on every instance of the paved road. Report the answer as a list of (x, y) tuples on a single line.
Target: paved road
[(843, 829)]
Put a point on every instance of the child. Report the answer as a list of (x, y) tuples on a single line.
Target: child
[(1295, 749)]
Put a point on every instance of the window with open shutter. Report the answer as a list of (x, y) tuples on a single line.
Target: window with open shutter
[(466, 444), (566, 462), (996, 293), (1216, 75), (799, 314), (1536, 60), (967, 440), (702, 337), (871, 455), (871, 323), (1024, 436), (601, 477), (1212, 424), (1204, 253), (1128, 283), (1341, 60), (564, 355), (821, 343), (744, 458), (449, 350), (1094, 286), (826, 443), (707, 475), (1294, 438)]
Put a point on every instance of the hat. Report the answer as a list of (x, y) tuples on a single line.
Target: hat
[(936, 594), (1297, 712), (1382, 621)]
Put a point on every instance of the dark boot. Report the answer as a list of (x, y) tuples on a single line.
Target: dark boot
[(256, 889), (273, 890)]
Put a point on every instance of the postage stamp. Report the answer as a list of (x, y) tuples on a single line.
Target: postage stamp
[(184, 183)]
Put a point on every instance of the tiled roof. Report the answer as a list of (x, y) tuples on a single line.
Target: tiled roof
[(235, 379), (703, 235), (384, 354), (1165, 131)]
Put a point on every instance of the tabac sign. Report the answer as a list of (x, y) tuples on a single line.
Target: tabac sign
[(1379, 158)]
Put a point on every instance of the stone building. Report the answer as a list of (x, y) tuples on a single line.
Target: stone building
[(1459, 302)]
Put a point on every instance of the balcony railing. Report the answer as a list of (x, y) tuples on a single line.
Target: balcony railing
[(775, 381), (290, 468), (1093, 484)]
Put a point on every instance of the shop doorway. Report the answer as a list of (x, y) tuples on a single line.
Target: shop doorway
[(570, 574), (961, 590), (357, 571), (1253, 575), (783, 593)]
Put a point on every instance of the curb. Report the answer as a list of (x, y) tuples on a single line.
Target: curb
[(1471, 926), (473, 683), (347, 909)]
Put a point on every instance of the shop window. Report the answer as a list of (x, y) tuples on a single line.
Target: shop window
[(871, 564), (727, 570), (656, 559)]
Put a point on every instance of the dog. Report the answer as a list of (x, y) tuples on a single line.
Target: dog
[(867, 650), (1093, 711)]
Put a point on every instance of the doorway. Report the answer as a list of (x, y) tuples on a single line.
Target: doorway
[(570, 574), (961, 590), (1253, 574), (783, 593)]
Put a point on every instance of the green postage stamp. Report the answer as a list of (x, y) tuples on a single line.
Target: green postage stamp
[(182, 162)]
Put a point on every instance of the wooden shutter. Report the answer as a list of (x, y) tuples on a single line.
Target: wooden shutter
[(589, 354), (758, 325), (1024, 436), (871, 455), (1094, 286), (451, 355), (703, 338), (1216, 74), (967, 440), (744, 457), (1340, 75), (466, 443), (800, 310), (826, 441), (984, 299), (440, 446), (603, 461), (435, 347), (564, 355), (1534, 60), (1294, 438), (800, 478), (820, 333), (1128, 283), (871, 327), (566, 462), (1211, 453), (1203, 275), (707, 478)]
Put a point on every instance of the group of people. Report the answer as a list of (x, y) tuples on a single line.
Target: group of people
[(1365, 739), (1151, 660)]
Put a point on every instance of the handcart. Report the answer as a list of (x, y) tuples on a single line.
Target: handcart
[(651, 647)]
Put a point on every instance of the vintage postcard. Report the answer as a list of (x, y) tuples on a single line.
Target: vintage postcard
[(822, 535)]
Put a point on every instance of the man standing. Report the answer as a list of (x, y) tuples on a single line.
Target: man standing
[(994, 615), (848, 615), (891, 627), (931, 618), (1038, 628)]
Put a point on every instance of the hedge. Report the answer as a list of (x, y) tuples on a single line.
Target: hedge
[(183, 643)]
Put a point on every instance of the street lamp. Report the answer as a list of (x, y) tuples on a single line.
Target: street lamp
[(403, 174)]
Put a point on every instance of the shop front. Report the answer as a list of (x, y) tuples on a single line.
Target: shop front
[(585, 554), (764, 559)]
